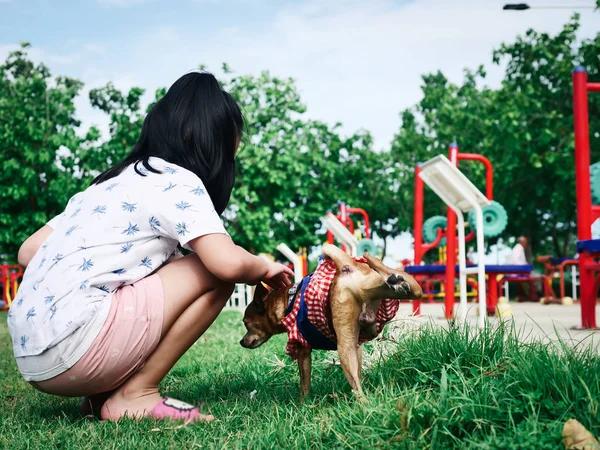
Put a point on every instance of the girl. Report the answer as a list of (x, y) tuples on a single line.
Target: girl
[(107, 305)]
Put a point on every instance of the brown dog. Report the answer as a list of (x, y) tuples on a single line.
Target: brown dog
[(355, 294)]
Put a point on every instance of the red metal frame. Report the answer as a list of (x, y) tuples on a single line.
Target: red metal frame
[(550, 270), (586, 213), (9, 280), (451, 247), (451, 240), (418, 217), (344, 217)]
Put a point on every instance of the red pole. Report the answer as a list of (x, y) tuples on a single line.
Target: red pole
[(365, 216), (418, 216), (418, 228), (489, 171), (451, 245), (583, 195)]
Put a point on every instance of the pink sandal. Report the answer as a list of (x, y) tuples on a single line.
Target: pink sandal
[(170, 408)]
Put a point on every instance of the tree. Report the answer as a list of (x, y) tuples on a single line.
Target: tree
[(126, 118), (37, 137), (292, 169), (536, 144), (525, 128)]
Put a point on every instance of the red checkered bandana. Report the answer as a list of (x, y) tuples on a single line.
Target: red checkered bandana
[(316, 297)]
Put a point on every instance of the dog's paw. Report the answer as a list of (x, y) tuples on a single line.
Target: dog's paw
[(359, 395), (399, 284)]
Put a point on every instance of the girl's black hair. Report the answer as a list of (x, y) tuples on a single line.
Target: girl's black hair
[(196, 125)]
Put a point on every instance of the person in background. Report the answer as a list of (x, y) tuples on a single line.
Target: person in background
[(517, 256)]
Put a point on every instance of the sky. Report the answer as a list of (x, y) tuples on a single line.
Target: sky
[(357, 62)]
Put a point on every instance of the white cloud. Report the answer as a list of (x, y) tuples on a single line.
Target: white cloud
[(95, 48), (35, 53), (5, 49), (38, 55), (65, 59), (166, 34), (356, 62)]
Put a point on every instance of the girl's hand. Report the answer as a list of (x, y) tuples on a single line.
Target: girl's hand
[(277, 276)]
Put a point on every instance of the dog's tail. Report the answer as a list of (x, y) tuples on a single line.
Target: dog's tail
[(339, 257)]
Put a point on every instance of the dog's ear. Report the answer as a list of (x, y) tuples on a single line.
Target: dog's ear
[(260, 293)]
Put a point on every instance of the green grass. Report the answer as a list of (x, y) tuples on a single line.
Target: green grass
[(436, 389)]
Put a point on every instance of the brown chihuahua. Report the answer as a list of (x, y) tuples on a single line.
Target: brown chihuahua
[(356, 291)]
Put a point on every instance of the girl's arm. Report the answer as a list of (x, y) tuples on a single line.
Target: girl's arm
[(32, 245), (232, 263)]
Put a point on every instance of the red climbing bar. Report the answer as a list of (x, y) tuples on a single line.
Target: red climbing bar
[(451, 246), (489, 171), (365, 216), (418, 228)]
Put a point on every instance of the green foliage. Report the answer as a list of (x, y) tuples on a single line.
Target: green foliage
[(37, 124), (293, 169), (525, 128), (437, 389), (126, 118)]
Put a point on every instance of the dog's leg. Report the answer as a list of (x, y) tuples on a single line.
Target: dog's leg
[(348, 353), (359, 354), (345, 313), (304, 364)]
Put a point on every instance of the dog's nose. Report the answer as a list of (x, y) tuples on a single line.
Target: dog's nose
[(242, 343)]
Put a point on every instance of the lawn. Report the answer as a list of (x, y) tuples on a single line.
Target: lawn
[(432, 388)]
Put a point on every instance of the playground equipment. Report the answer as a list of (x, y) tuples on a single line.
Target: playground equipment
[(443, 273), (495, 219), (341, 227), (297, 260), (588, 248), (461, 196), (241, 297), (9, 281), (555, 268), (363, 244), (336, 229)]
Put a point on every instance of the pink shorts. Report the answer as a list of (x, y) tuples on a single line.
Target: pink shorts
[(130, 334)]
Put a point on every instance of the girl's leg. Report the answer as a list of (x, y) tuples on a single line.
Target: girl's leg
[(193, 298)]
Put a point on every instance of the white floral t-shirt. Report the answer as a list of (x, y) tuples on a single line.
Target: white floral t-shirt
[(109, 235)]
